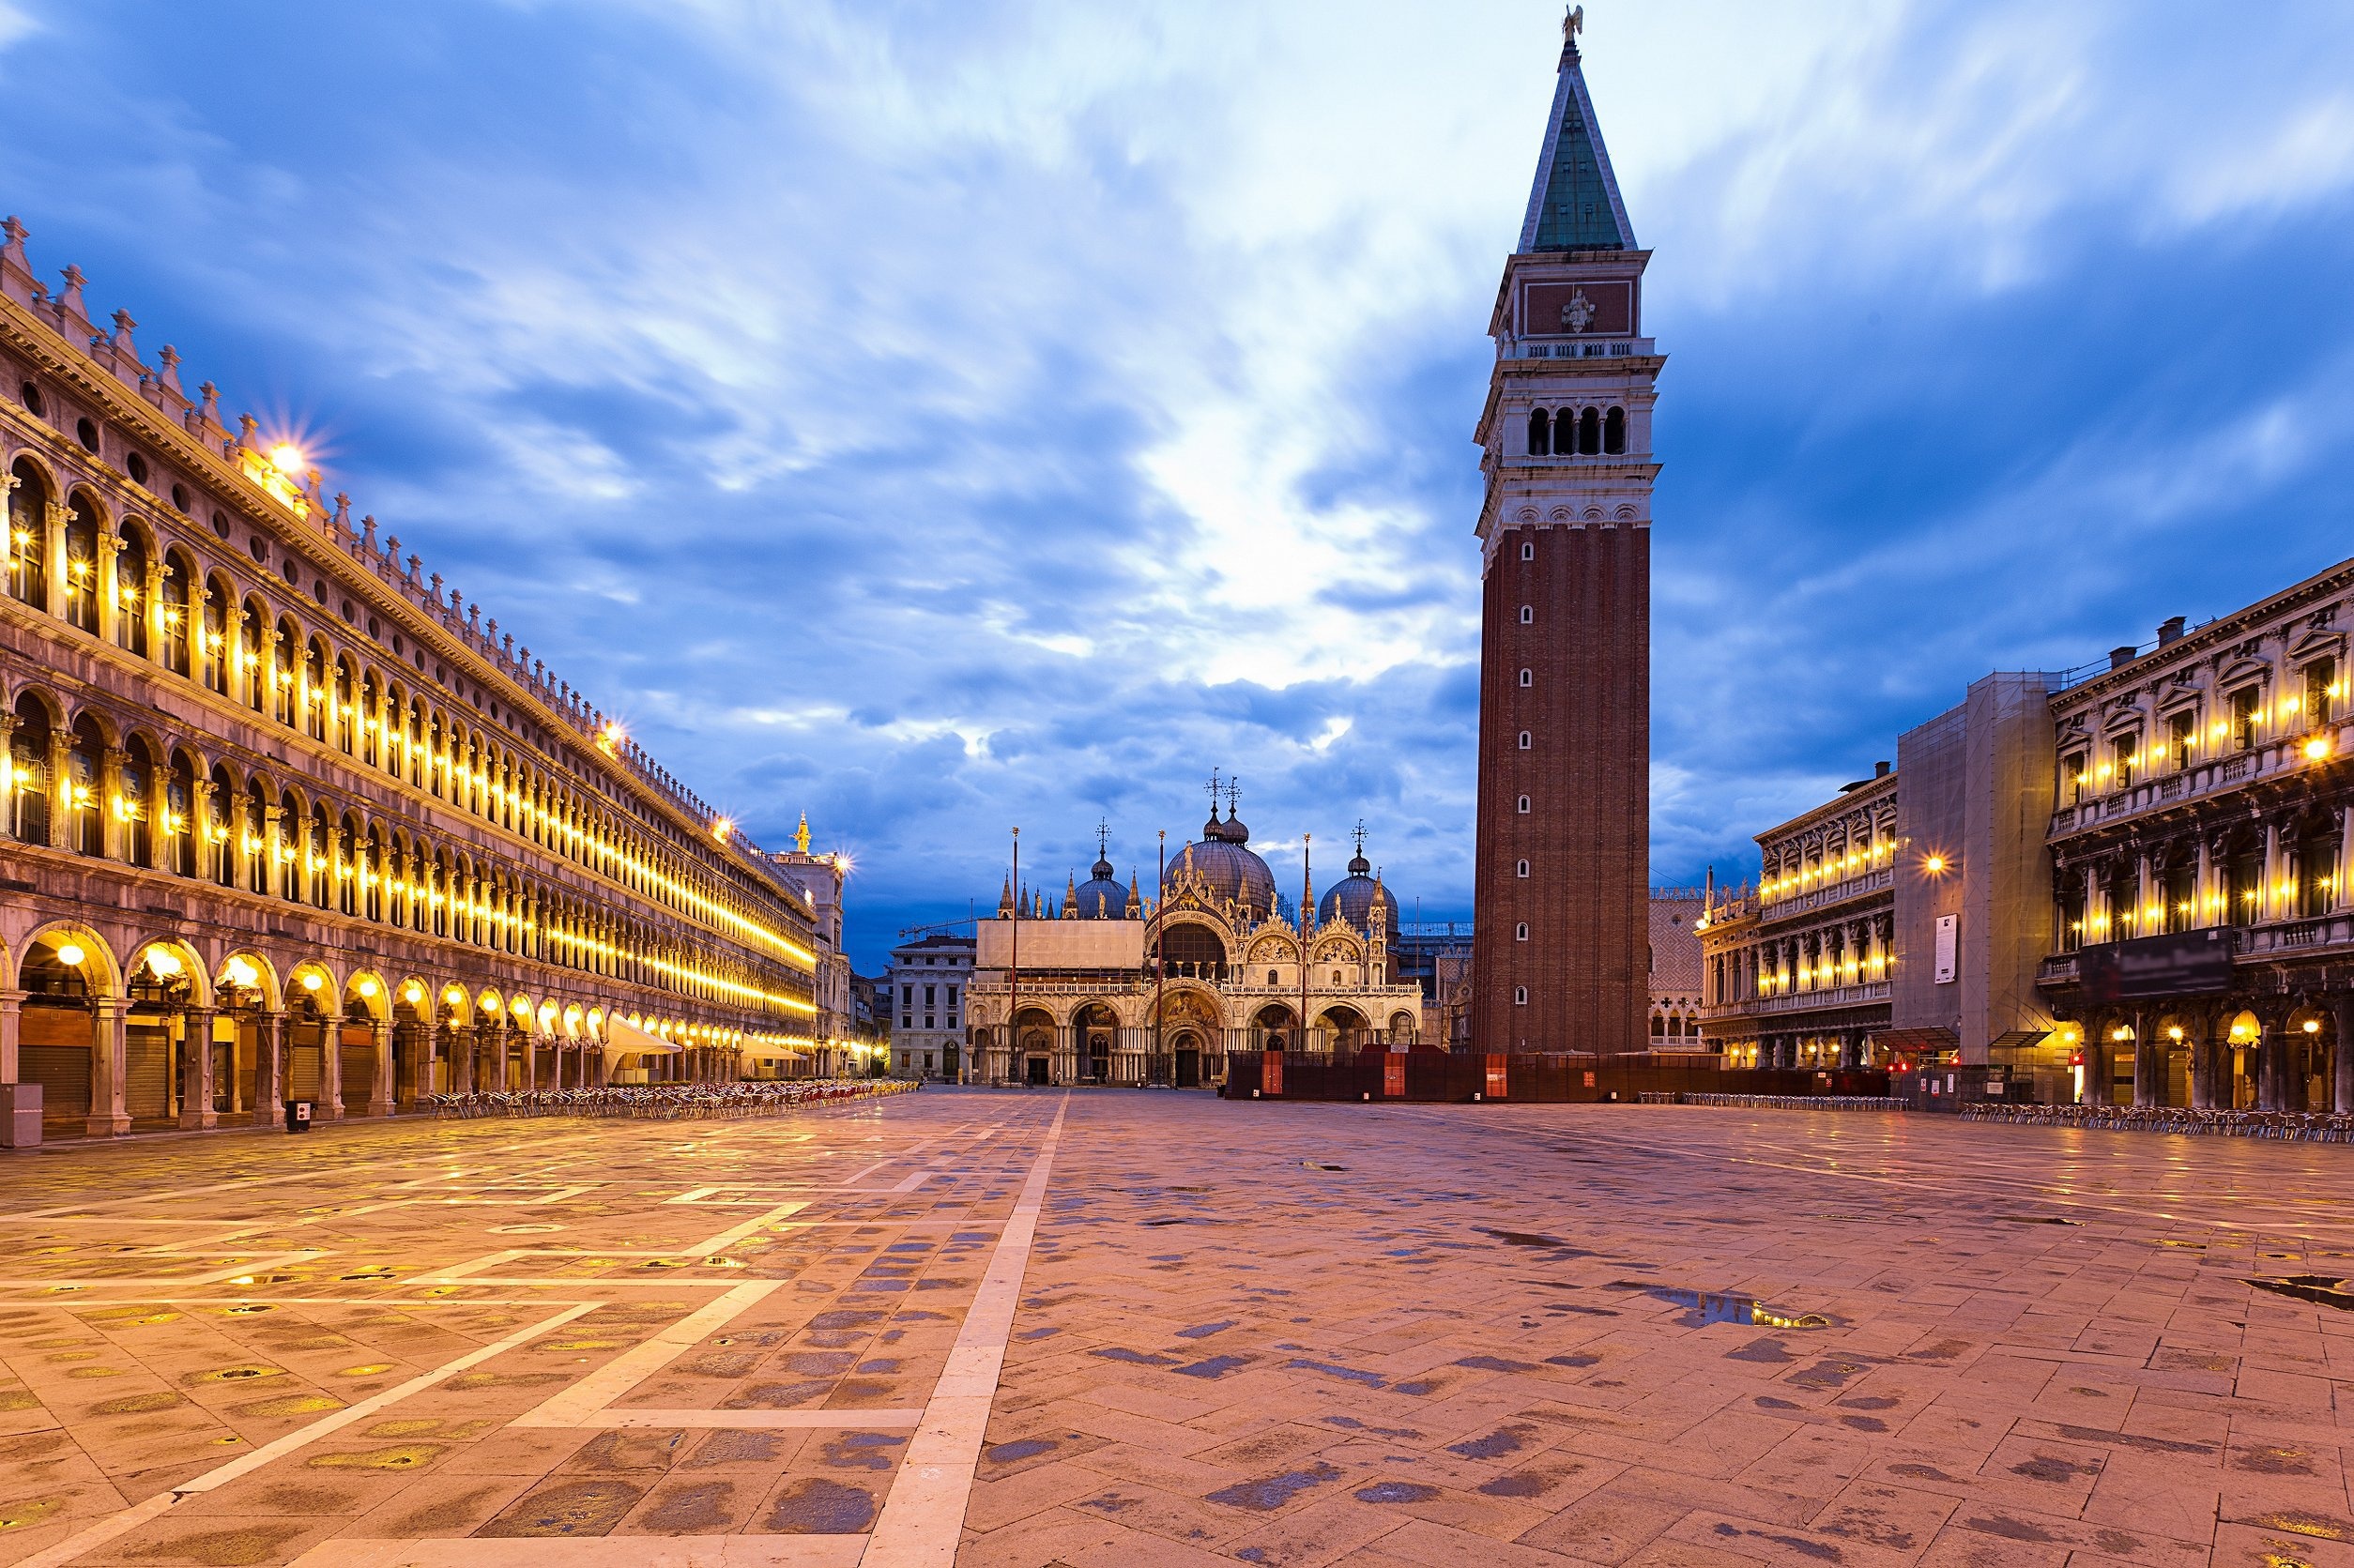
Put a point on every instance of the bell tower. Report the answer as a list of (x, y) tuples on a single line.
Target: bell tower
[(1561, 939)]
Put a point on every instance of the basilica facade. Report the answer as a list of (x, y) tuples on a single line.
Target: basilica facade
[(1110, 987)]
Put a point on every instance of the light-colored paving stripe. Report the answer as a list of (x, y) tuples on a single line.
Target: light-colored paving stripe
[(584, 1403), (923, 1515), (736, 1233), (621, 1551), (131, 1518), (746, 1420)]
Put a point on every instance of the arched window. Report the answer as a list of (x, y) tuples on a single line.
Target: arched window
[(291, 835), (1658, 1027), (1614, 431), (28, 537), (349, 864), (316, 690), (369, 724), (318, 859), (285, 657), (28, 760), (1528, 615), (1528, 550), (1523, 805), (1519, 932), (1521, 870), (81, 579), (1540, 427), (259, 846), (130, 594), (1528, 677), (133, 804), (1520, 995), (1590, 433), (224, 845), (179, 818), (346, 719), (1527, 741), (85, 820), (179, 579)]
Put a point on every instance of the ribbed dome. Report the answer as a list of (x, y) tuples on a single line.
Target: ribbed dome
[(1232, 871), (1101, 897), (1352, 899)]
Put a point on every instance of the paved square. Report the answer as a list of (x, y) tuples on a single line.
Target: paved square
[(1271, 1333)]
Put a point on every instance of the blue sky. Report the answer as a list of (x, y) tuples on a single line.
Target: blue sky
[(938, 418)]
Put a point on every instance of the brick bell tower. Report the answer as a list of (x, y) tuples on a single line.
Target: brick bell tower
[(1559, 955)]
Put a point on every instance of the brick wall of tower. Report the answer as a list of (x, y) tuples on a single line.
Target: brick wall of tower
[(1587, 773)]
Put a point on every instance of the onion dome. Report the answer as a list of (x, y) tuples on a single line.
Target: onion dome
[(1101, 897), (1230, 870), (1358, 897)]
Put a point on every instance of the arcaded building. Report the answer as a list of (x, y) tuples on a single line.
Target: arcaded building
[(1108, 987), (1562, 873), (287, 819)]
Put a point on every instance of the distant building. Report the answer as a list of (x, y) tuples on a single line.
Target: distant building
[(927, 992), (1108, 989), (820, 880), (1676, 968)]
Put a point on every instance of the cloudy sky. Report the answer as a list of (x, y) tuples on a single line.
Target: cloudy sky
[(940, 416)]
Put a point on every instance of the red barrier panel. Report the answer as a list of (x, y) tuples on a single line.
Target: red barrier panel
[(1271, 1076), (1495, 1078), (1394, 1076)]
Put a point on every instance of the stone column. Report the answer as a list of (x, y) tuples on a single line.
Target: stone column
[(458, 1043), (196, 1084), (2269, 899), (151, 606), (108, 1116), (2269, 1046), (2342, 1055), (270, 1067), (11, 1025), (53, 556), (380, 1091), (330, 1105), (113, 832), (2141, 902), (530, 1049), (110, 546), (2341, 885), (2145, 1067)]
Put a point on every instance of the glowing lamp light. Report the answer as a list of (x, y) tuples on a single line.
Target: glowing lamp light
[(2317, 748), (162, 963), (2313, 1026), (1933, 864), (414, 995), (2174, 1031), (70, 954), (287, 458), (312, 983), (241, 973), (368, 988), (721, 827)]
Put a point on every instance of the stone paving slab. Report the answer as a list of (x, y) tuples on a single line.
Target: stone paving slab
[(1267, 1333)]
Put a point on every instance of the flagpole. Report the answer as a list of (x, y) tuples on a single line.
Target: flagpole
[(1013, 970)]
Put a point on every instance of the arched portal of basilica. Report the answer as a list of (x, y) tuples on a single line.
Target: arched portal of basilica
[(1109, 987)]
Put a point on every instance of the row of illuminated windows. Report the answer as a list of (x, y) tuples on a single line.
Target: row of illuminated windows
[(1798, 872), (71, 787), (269, 663), (2246, 721), (1588, 432), (2239, 890), (1818, 961)]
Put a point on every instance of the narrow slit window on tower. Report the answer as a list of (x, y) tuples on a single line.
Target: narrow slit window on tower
[(1519, 932), (1528, 550), (1520, 995), (1525, 743), (1590, 433), (1614, 431), (1528, 615), (1527, 678), (1539, 432), (1521, 868), (1523, 805)]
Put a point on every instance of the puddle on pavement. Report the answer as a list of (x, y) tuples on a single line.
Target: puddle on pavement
[(2033, 1219), (1714, 1306), (2324, 1288), (1523, 1239), (1319, 1165)]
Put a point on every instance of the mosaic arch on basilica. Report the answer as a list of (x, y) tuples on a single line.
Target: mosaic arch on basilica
[(285, 820), (1110, 987)]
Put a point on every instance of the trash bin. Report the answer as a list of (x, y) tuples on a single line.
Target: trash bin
[(298, 1116)]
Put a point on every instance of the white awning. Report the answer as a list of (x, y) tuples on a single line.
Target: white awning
[(621, 1039)]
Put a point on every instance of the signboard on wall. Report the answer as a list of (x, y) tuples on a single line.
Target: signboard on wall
[(2184, 963), (1949, 948)]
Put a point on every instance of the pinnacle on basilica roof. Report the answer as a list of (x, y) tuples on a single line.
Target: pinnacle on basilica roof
[(1574, 205)]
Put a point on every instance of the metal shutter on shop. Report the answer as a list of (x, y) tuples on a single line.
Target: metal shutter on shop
[(146, 1071), (305, 1066), (360, 1073), (64, 1074)]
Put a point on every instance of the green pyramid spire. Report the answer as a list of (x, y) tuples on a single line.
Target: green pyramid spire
[(1574, 205)]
